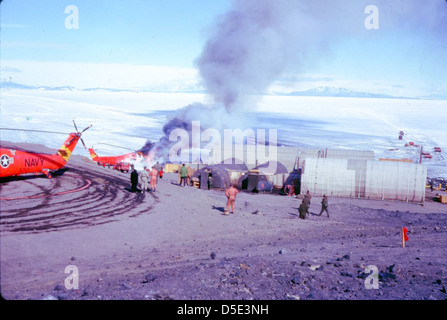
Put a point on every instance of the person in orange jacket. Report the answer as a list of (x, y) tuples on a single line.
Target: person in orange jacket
[(153, 174), (231, 194)]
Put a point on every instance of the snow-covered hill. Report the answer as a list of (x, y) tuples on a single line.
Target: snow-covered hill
[(195, 88), (339, 92)]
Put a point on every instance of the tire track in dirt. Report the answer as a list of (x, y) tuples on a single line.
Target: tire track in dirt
[(104, 201)]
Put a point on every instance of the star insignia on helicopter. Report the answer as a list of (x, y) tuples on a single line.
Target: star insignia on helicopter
[(5, 161)]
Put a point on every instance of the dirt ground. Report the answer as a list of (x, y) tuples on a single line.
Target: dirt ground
[(175, 243)]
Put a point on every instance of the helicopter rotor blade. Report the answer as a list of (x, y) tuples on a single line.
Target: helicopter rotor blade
[(83, 143), (86, 129), (75, 126), (29, 130)]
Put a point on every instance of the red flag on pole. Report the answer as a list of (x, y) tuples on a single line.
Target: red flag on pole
[(404, 236), (405, 231)]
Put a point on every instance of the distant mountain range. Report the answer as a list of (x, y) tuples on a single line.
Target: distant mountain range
[(339, 92), (316, 92), (13, 85)]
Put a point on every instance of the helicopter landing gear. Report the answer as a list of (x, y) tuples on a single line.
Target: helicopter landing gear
[(48, 173)]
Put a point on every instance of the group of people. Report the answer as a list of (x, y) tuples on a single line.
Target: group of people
[(232, 192), (148, 182), (147, 179), (305, 205)]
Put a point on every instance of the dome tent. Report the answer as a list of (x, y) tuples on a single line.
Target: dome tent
[(259, 179), (219, 173)]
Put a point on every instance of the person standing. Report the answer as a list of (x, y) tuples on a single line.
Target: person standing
[(303, 209), (231, 194), (306, 201), (134, 179), (183, 175), (324, 205), (153, 176), (144, 178), (210, 181), (158, 166), (307, 198), (159, 169)]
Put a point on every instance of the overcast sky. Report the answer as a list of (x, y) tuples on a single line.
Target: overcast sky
[(142, 42)]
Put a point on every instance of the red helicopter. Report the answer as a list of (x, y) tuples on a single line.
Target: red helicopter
[(20, 162), (121, 163)]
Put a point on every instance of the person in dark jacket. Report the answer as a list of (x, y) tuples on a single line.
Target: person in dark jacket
[(324, 206), (306, 201), (134, 179), (303, 210)]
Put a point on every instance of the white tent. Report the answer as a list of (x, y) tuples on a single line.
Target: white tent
[(396, 181), (364, 179)]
